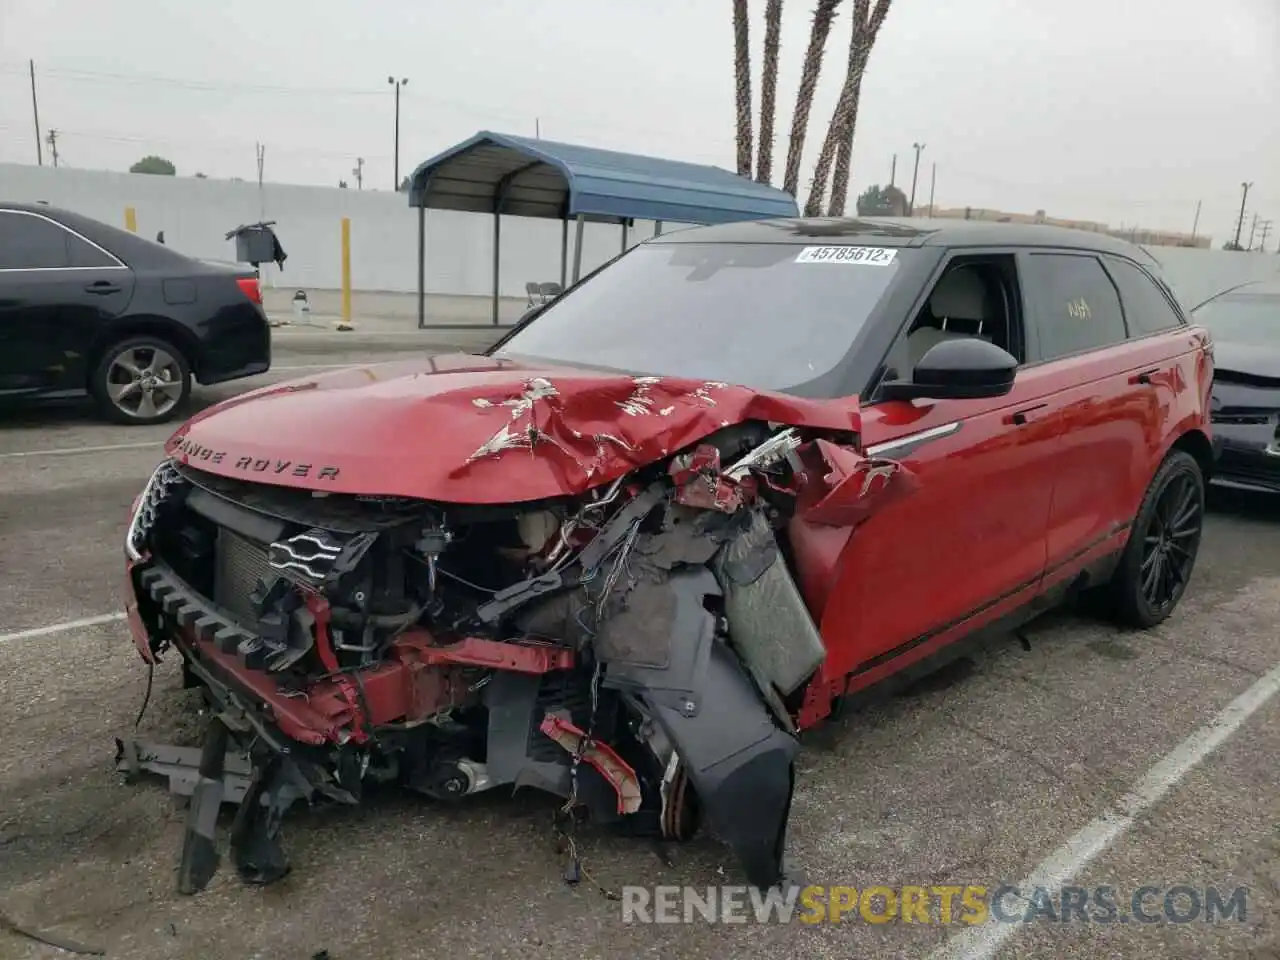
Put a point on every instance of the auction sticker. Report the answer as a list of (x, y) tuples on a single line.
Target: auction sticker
[(874, 256)]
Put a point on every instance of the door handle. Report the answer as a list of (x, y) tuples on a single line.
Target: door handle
[(102, 286), (1021, 417), (1144, 378)]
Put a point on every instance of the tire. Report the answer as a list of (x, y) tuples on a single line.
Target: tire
[(1158, 560), (130, 388)]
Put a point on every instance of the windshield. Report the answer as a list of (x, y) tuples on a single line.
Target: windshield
[(765, 316), (1245, 318)]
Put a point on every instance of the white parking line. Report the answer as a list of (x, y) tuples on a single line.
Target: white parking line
[(1065, 863), (61, 627), (65, 451)]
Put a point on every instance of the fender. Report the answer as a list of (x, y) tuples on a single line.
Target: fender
[(711, 713)]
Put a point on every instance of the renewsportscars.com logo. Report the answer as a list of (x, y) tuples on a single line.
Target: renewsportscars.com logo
[(968, 905)]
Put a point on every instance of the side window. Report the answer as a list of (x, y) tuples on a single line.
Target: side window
[(975, 297), (31, 243), (81, 253), (1076, 304), (1145, 305)]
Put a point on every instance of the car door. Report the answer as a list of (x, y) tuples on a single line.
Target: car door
[(56, 290), (967, 545), (1117, 390)]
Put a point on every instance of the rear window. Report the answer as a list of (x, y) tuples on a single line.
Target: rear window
[(30, 242), (766, 316)]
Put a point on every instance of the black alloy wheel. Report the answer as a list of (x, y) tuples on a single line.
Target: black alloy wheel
[(1161, 554)]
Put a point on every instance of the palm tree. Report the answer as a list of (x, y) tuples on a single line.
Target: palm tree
[(769, 89), (823, 15), (844, 151), (742, 73), (866, 26)]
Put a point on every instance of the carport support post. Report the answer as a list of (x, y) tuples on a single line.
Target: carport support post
[(422, 267), (657, 228), (577, 250), (564, 252), (624, 236), (497, 240)]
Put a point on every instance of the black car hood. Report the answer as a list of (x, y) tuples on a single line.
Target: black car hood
[(1249, 361)]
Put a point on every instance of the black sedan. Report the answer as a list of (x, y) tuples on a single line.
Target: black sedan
[(1245, 323), (86, 307)]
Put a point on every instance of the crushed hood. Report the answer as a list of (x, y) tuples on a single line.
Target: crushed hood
[(468, 429)]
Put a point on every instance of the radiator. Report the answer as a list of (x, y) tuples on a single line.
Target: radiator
[(241, 564)]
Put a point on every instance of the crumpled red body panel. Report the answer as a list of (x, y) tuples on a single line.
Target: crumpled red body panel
[(851, 486), (467, 429)]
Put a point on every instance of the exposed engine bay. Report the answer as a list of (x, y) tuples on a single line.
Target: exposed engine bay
[(641, 651)]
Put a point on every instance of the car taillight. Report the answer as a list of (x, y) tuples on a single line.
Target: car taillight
[(250, 287)]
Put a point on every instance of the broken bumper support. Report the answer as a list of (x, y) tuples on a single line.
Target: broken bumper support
[(263, 783)]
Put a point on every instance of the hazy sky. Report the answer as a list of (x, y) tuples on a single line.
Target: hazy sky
[(1126, 111)]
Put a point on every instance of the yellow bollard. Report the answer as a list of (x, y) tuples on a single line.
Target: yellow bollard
[(131, 219), (345, 322)]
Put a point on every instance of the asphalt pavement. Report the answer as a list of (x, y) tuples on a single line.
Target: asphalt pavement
[(1094, 758)]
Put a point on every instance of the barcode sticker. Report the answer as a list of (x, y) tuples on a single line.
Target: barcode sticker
[(873, 256)]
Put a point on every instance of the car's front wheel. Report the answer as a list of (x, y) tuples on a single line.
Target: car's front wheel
[(141, 380), (1157, 562)]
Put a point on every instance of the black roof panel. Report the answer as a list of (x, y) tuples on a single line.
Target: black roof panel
[(904, 232)]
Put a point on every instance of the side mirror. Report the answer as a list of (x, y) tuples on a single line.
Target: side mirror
[(962, 369)]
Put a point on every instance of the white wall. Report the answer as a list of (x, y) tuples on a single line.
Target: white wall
[(1196, 275), (196, 214)]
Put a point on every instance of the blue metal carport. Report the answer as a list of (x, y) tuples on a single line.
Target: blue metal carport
[(497, 173)]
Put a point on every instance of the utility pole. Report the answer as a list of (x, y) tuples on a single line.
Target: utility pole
[(1266, 231), (1195, 224), (261, 150), (911, 205), (358, 173), (53, 147), (1244, 196), (893, 171), (397, 84), (1252, 230), (933, 182), (537, 128), (35, 114)]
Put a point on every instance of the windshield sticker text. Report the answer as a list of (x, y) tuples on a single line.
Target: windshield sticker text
[(874, 256)]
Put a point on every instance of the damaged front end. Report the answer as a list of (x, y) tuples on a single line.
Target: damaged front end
[(640, 649)]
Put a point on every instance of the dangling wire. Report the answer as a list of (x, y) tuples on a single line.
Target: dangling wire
[(146, 697)]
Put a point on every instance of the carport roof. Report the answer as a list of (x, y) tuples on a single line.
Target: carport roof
[(499, 173)]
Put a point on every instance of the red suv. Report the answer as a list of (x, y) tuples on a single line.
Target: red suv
[(670, 521)]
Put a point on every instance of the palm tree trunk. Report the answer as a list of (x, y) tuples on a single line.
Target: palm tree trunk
[(769, 89), (823, 16), (845, 147), (844, 158), (866, 25), (742, 74)]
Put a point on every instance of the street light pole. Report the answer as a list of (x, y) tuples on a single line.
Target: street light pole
[(911, 205), (397, 84)]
